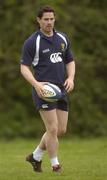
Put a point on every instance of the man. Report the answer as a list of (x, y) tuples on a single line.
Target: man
[(48, 51)]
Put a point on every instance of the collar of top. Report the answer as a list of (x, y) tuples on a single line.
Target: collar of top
[(44, 36)]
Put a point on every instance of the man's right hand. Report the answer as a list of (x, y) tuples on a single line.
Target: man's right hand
[(39, 88)]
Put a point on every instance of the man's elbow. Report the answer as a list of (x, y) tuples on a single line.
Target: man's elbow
[(22, 69)]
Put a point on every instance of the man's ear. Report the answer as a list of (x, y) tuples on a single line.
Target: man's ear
[(38, 19)]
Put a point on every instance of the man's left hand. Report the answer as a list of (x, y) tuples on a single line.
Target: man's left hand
[(69, 85)]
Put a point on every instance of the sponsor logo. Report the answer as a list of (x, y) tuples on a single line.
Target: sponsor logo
[(44, 106), (48, 93), (56, 57), (46, 50)]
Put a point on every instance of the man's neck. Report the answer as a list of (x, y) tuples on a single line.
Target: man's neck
[(48, 34)]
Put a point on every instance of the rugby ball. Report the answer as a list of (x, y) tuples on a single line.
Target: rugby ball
[(51, 93)]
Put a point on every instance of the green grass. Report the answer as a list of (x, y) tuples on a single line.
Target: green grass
[(81, 160)]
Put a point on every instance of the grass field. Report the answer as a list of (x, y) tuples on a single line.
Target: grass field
[(84, 159)]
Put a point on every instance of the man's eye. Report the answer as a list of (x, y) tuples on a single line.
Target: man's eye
[(49, 19)]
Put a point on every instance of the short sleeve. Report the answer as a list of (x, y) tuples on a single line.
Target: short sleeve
[(68, 53), (27, 52)]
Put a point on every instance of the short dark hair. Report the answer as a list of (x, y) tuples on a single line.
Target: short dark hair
[(43, 10)]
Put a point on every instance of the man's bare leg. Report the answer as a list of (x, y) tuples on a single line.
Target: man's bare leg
[(50, 140)]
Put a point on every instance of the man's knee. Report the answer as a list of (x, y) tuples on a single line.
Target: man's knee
[(53, 130), (61, 131)]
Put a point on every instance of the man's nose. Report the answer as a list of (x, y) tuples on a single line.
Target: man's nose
[(49, 21)]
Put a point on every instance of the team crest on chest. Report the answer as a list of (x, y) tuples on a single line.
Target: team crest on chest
[(62, 46)]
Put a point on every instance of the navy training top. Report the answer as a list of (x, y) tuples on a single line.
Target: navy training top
[(47, 55)]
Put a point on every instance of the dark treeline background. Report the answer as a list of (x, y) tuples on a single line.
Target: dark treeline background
[(85, 22)]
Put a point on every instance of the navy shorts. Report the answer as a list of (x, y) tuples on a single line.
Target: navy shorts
[(42, 104)]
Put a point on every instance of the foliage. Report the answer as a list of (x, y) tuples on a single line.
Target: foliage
[(85, 24)]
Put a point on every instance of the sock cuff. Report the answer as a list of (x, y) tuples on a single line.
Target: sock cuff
[(54, 161)]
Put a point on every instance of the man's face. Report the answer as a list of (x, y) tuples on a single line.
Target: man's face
[(47, 22)]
